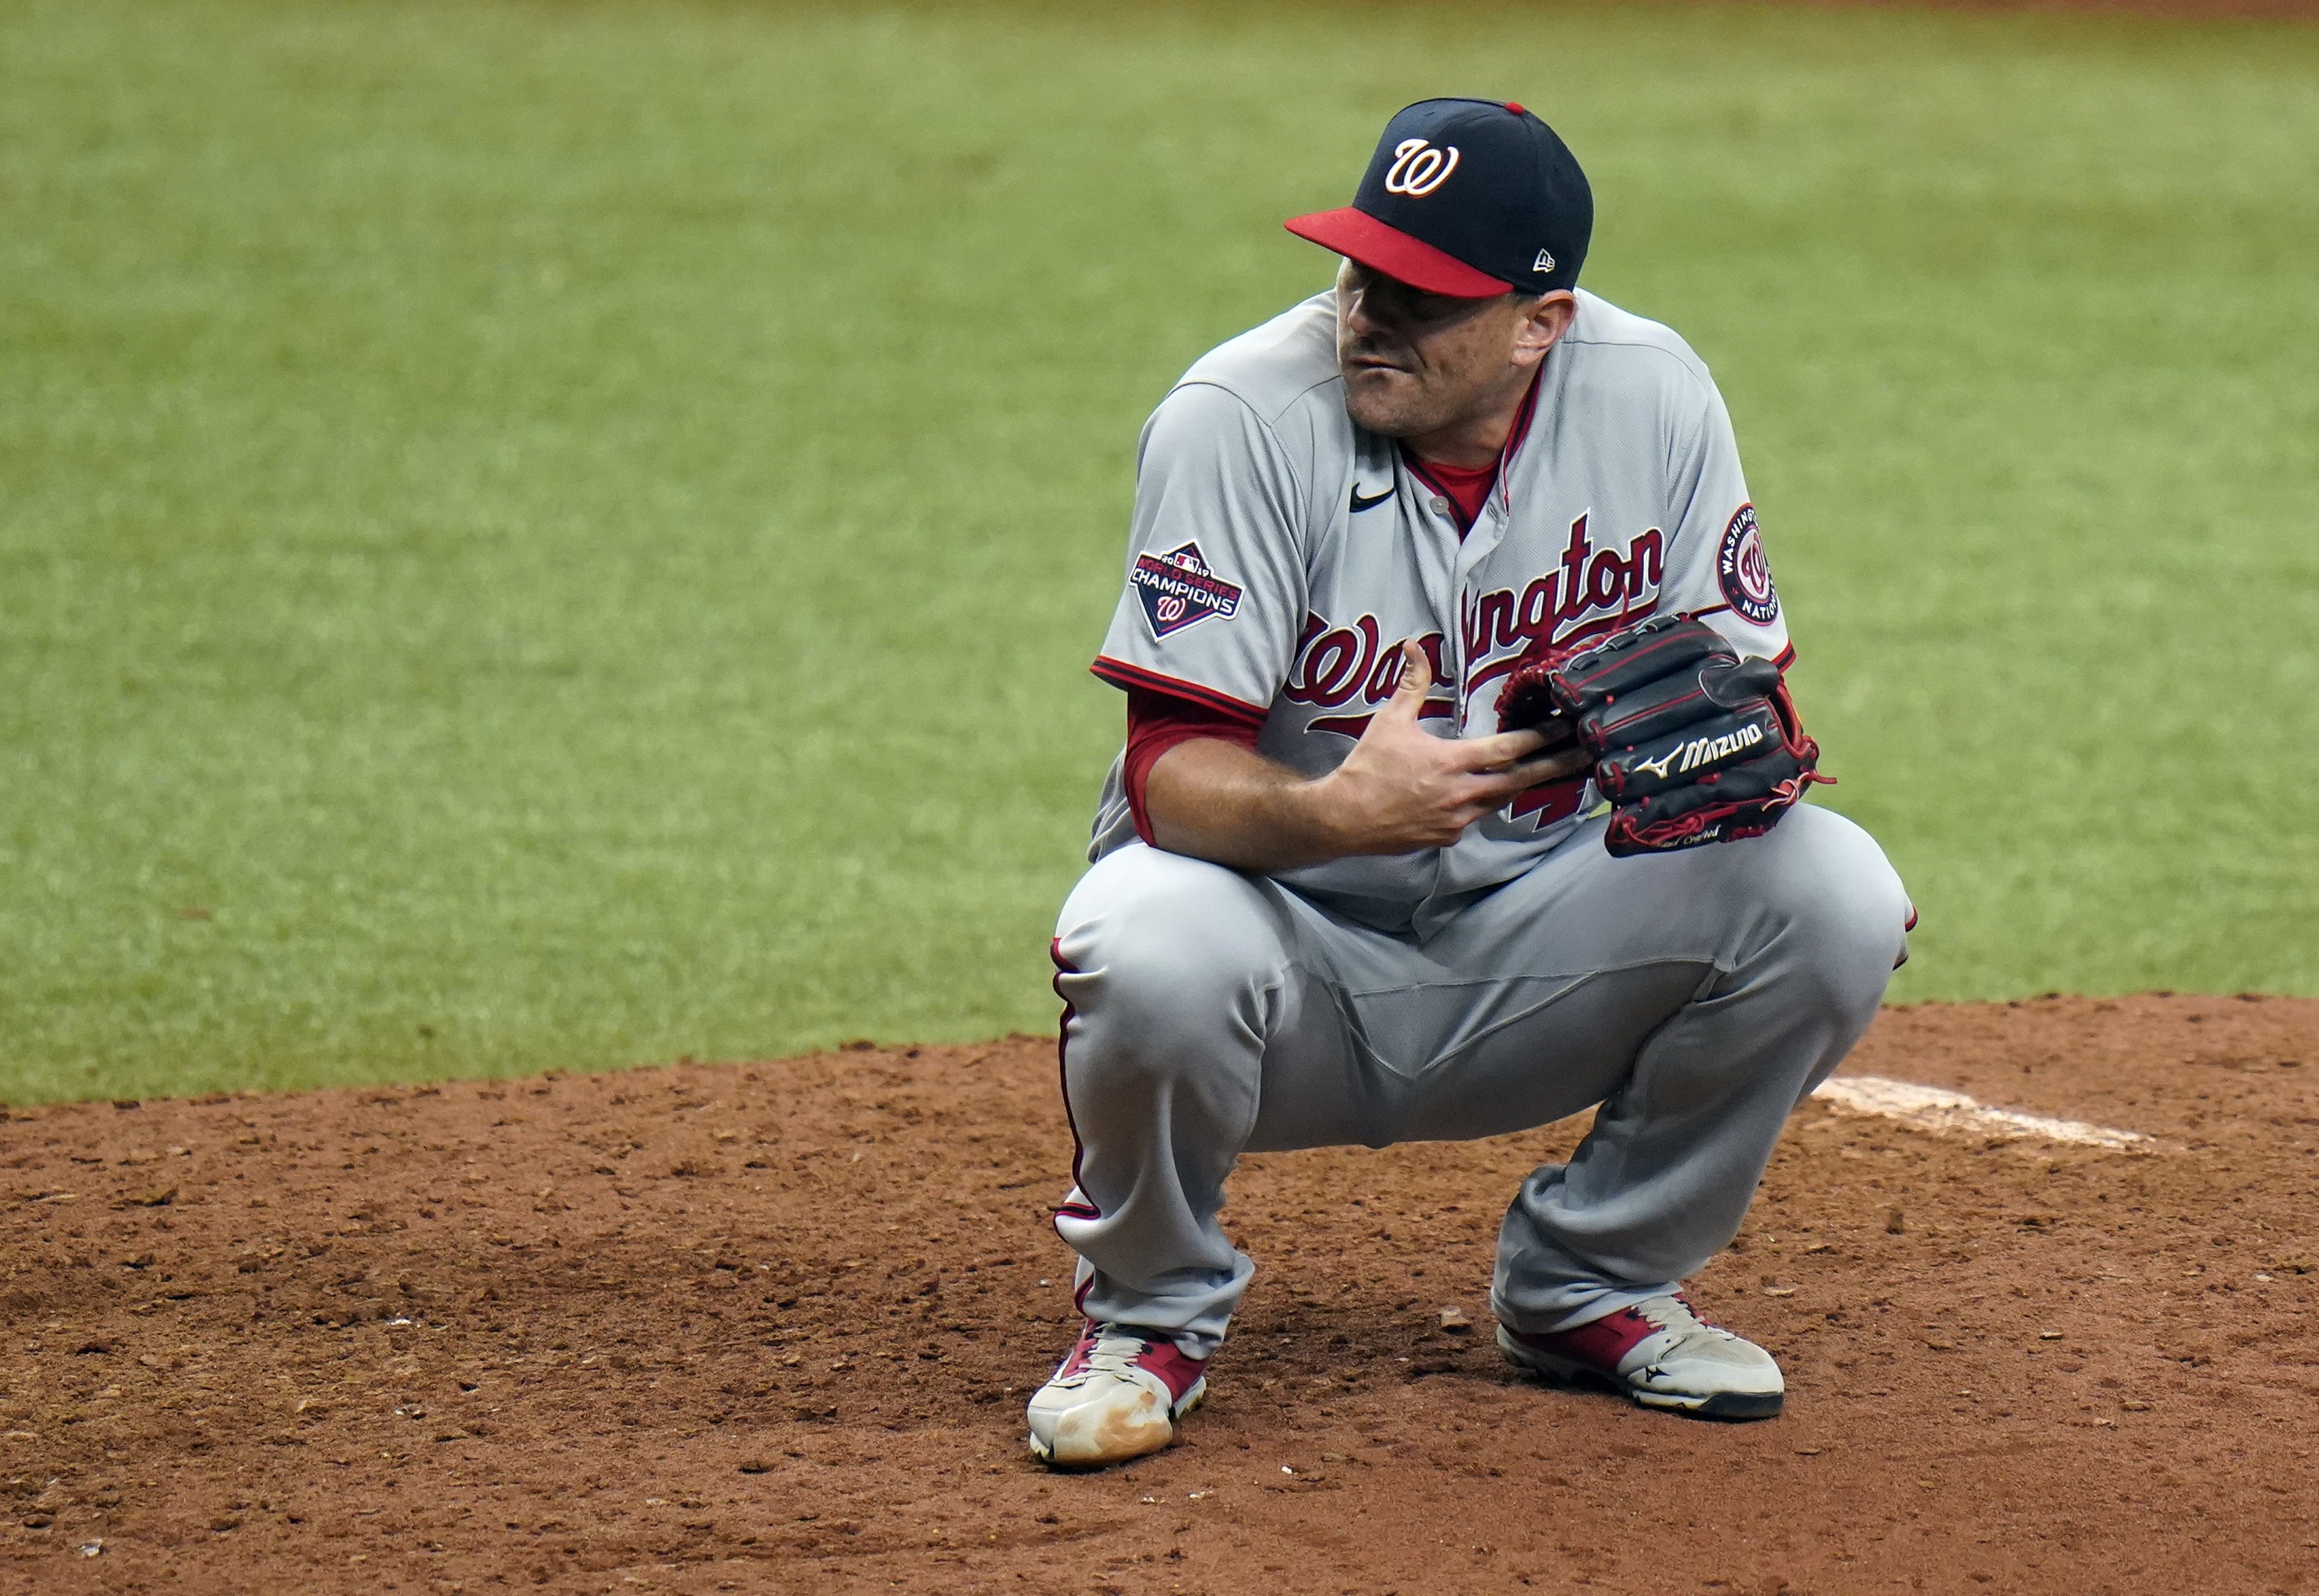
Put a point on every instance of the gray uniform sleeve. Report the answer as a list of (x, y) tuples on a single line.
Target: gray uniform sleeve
[(1215, 587), (1715, 566)]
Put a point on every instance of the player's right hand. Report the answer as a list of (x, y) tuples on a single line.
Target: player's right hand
[(1402, 789)]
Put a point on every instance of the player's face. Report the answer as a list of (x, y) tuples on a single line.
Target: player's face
[(1415, 363)]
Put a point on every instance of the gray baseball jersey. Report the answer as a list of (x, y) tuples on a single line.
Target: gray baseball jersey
[(1280, 554)]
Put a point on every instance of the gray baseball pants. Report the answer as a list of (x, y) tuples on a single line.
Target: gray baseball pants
[(1697, 997)]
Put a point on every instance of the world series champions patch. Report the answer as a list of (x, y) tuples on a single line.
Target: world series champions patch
[(1742, 572), (1177, 590)]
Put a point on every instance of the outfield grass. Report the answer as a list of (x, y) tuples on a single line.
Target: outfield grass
[(543, 536)]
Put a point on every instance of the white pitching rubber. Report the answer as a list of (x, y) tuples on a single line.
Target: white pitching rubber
[(1952, 1114)]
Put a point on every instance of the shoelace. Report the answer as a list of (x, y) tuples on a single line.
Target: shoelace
[(1115, 1353), (1669, 1319)]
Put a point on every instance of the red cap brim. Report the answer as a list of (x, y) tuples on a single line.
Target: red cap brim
[(1360, 237)]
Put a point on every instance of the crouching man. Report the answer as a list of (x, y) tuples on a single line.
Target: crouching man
[(1335, 900)]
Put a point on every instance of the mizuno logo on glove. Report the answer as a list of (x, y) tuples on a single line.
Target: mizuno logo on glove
[(1692, 744), (1705, 750)]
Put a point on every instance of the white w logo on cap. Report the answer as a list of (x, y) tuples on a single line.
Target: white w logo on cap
[(1418, 168)]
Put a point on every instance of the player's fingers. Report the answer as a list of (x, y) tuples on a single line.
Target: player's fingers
[(1416, 681), (1551, 767), (1500, 749), (1501, 785)]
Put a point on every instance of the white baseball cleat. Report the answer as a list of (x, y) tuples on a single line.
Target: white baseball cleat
[(1662, 1354), (1116, 1396)]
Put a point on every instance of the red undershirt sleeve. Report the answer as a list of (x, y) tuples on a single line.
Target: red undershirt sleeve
[(1157, 722)]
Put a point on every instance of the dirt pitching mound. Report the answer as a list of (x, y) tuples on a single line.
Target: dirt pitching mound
[(771, 1328)]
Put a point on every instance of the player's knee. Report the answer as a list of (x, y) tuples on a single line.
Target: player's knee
[(1839, 909), (1156, 944)]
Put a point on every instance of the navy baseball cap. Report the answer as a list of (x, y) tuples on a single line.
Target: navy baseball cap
[(1464, 197)]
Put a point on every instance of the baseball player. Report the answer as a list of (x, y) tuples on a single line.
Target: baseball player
[(1348, 884)]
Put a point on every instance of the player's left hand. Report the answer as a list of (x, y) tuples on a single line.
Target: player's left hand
[(1692, 743)]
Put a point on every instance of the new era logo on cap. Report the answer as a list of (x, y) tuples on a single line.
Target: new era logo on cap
[(1465, 197)]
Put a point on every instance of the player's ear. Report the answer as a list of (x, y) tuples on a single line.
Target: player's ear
[(1548, 317)]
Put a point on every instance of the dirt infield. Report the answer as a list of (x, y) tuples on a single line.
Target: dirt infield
[(770, 1328)]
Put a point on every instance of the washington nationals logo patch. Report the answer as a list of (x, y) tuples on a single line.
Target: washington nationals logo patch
[(1742, 572), (1177, 590)]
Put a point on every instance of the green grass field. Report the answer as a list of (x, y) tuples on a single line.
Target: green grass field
[(559, 536)]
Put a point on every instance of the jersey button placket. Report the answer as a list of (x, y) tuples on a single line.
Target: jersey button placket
[(1474, 550)]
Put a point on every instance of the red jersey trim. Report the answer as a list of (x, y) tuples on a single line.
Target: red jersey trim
[(1120, 674), (1425, 471), (1467, 493), (1522, 421), (1417, 468), (1082, 1208), (1784, 659), (1157, 722)]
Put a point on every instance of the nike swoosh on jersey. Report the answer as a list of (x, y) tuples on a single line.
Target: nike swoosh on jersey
[(1360, 504)]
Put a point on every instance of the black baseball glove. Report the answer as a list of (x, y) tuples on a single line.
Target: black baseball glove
[(1692, 743)]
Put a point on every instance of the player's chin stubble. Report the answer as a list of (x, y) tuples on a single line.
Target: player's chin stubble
[(1391, 404), (1411, 394), (1402, 384)]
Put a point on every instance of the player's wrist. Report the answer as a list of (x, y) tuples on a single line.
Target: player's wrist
[(1326, 815)]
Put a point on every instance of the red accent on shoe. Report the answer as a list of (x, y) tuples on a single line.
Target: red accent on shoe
[(1177, 1370), (1160, 1356), (1599, 1343), (1081, 1350)]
